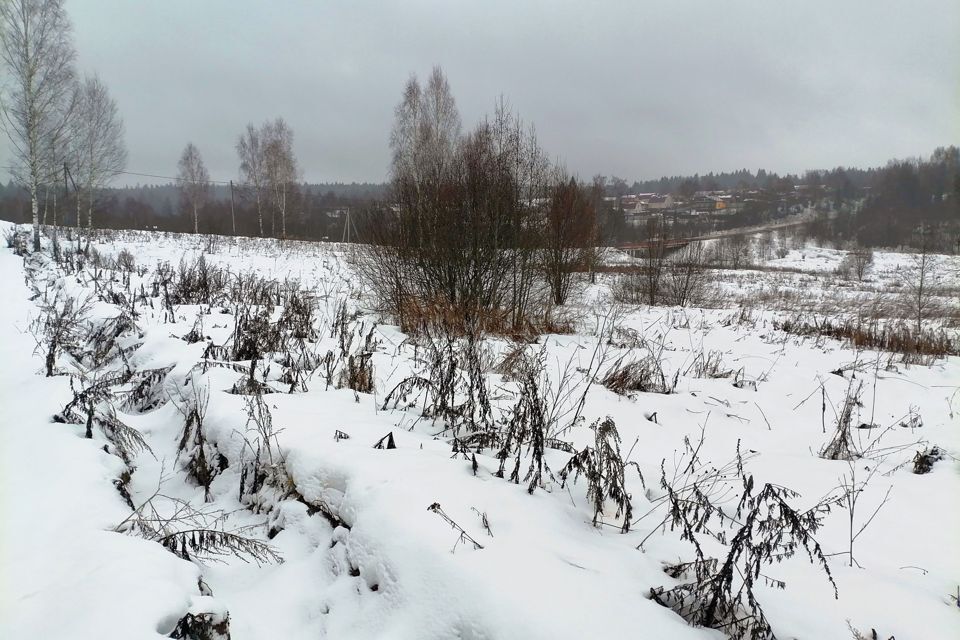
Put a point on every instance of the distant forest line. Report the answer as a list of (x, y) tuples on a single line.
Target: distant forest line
[(903, 203)]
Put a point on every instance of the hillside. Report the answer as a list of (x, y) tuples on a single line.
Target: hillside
[(234, 441)]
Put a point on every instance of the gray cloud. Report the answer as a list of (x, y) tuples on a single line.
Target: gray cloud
[(628, 88)]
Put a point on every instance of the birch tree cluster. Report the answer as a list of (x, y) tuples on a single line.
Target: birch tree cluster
[(481, 224), (269, 172), (64, 128)]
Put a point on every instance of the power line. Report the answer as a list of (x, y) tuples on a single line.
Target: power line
[(151, 175), (144, 175)]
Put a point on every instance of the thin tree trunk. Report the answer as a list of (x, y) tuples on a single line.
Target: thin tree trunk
[(89, 219), (35, 208), (283, 212), (259, 212)]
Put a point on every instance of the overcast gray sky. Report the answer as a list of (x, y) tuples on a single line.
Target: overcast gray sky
[(636, 89)]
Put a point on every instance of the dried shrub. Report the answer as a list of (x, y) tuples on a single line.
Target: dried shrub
[(17, 240), (418, 317), (462, 535), (512, 361), (923, 461), (356, 344), (644, 375), (471, 236), (856, 262), (202, 626), (860, 635), (708, 364), (203, 461), (125, 261), (899, 337), (199, 282), (604, 469), (261, 462), (766, 530), (841, 446), (686, 280), (450, 383), (528, 427), (545, 410)]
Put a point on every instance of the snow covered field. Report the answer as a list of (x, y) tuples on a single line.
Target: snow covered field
[(424, 539)]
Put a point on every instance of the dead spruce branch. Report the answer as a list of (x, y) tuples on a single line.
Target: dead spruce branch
[(193, 534), (211, 544), (62, 326), (92, 405)]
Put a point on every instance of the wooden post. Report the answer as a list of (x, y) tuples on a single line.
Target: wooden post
[(233, 218)]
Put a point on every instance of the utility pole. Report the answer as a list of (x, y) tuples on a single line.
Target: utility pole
[(233, 218), (346, 227)]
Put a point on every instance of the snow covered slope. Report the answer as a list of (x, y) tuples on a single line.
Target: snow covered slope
[(424, 539)]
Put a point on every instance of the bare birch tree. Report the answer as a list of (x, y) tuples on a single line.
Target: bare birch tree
[(98, 152), (424, 143), (280, 168), (405, 133), (253, 166), (920, 283), (37, 48), (440, 127), (194, 181)]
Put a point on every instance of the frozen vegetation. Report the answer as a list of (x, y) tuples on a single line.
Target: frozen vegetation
[(207, 436)]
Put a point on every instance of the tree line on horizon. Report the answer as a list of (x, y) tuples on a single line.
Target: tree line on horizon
[(884, 206)]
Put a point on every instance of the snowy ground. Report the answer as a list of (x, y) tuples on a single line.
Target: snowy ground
[(809, 282), (363, 557)]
